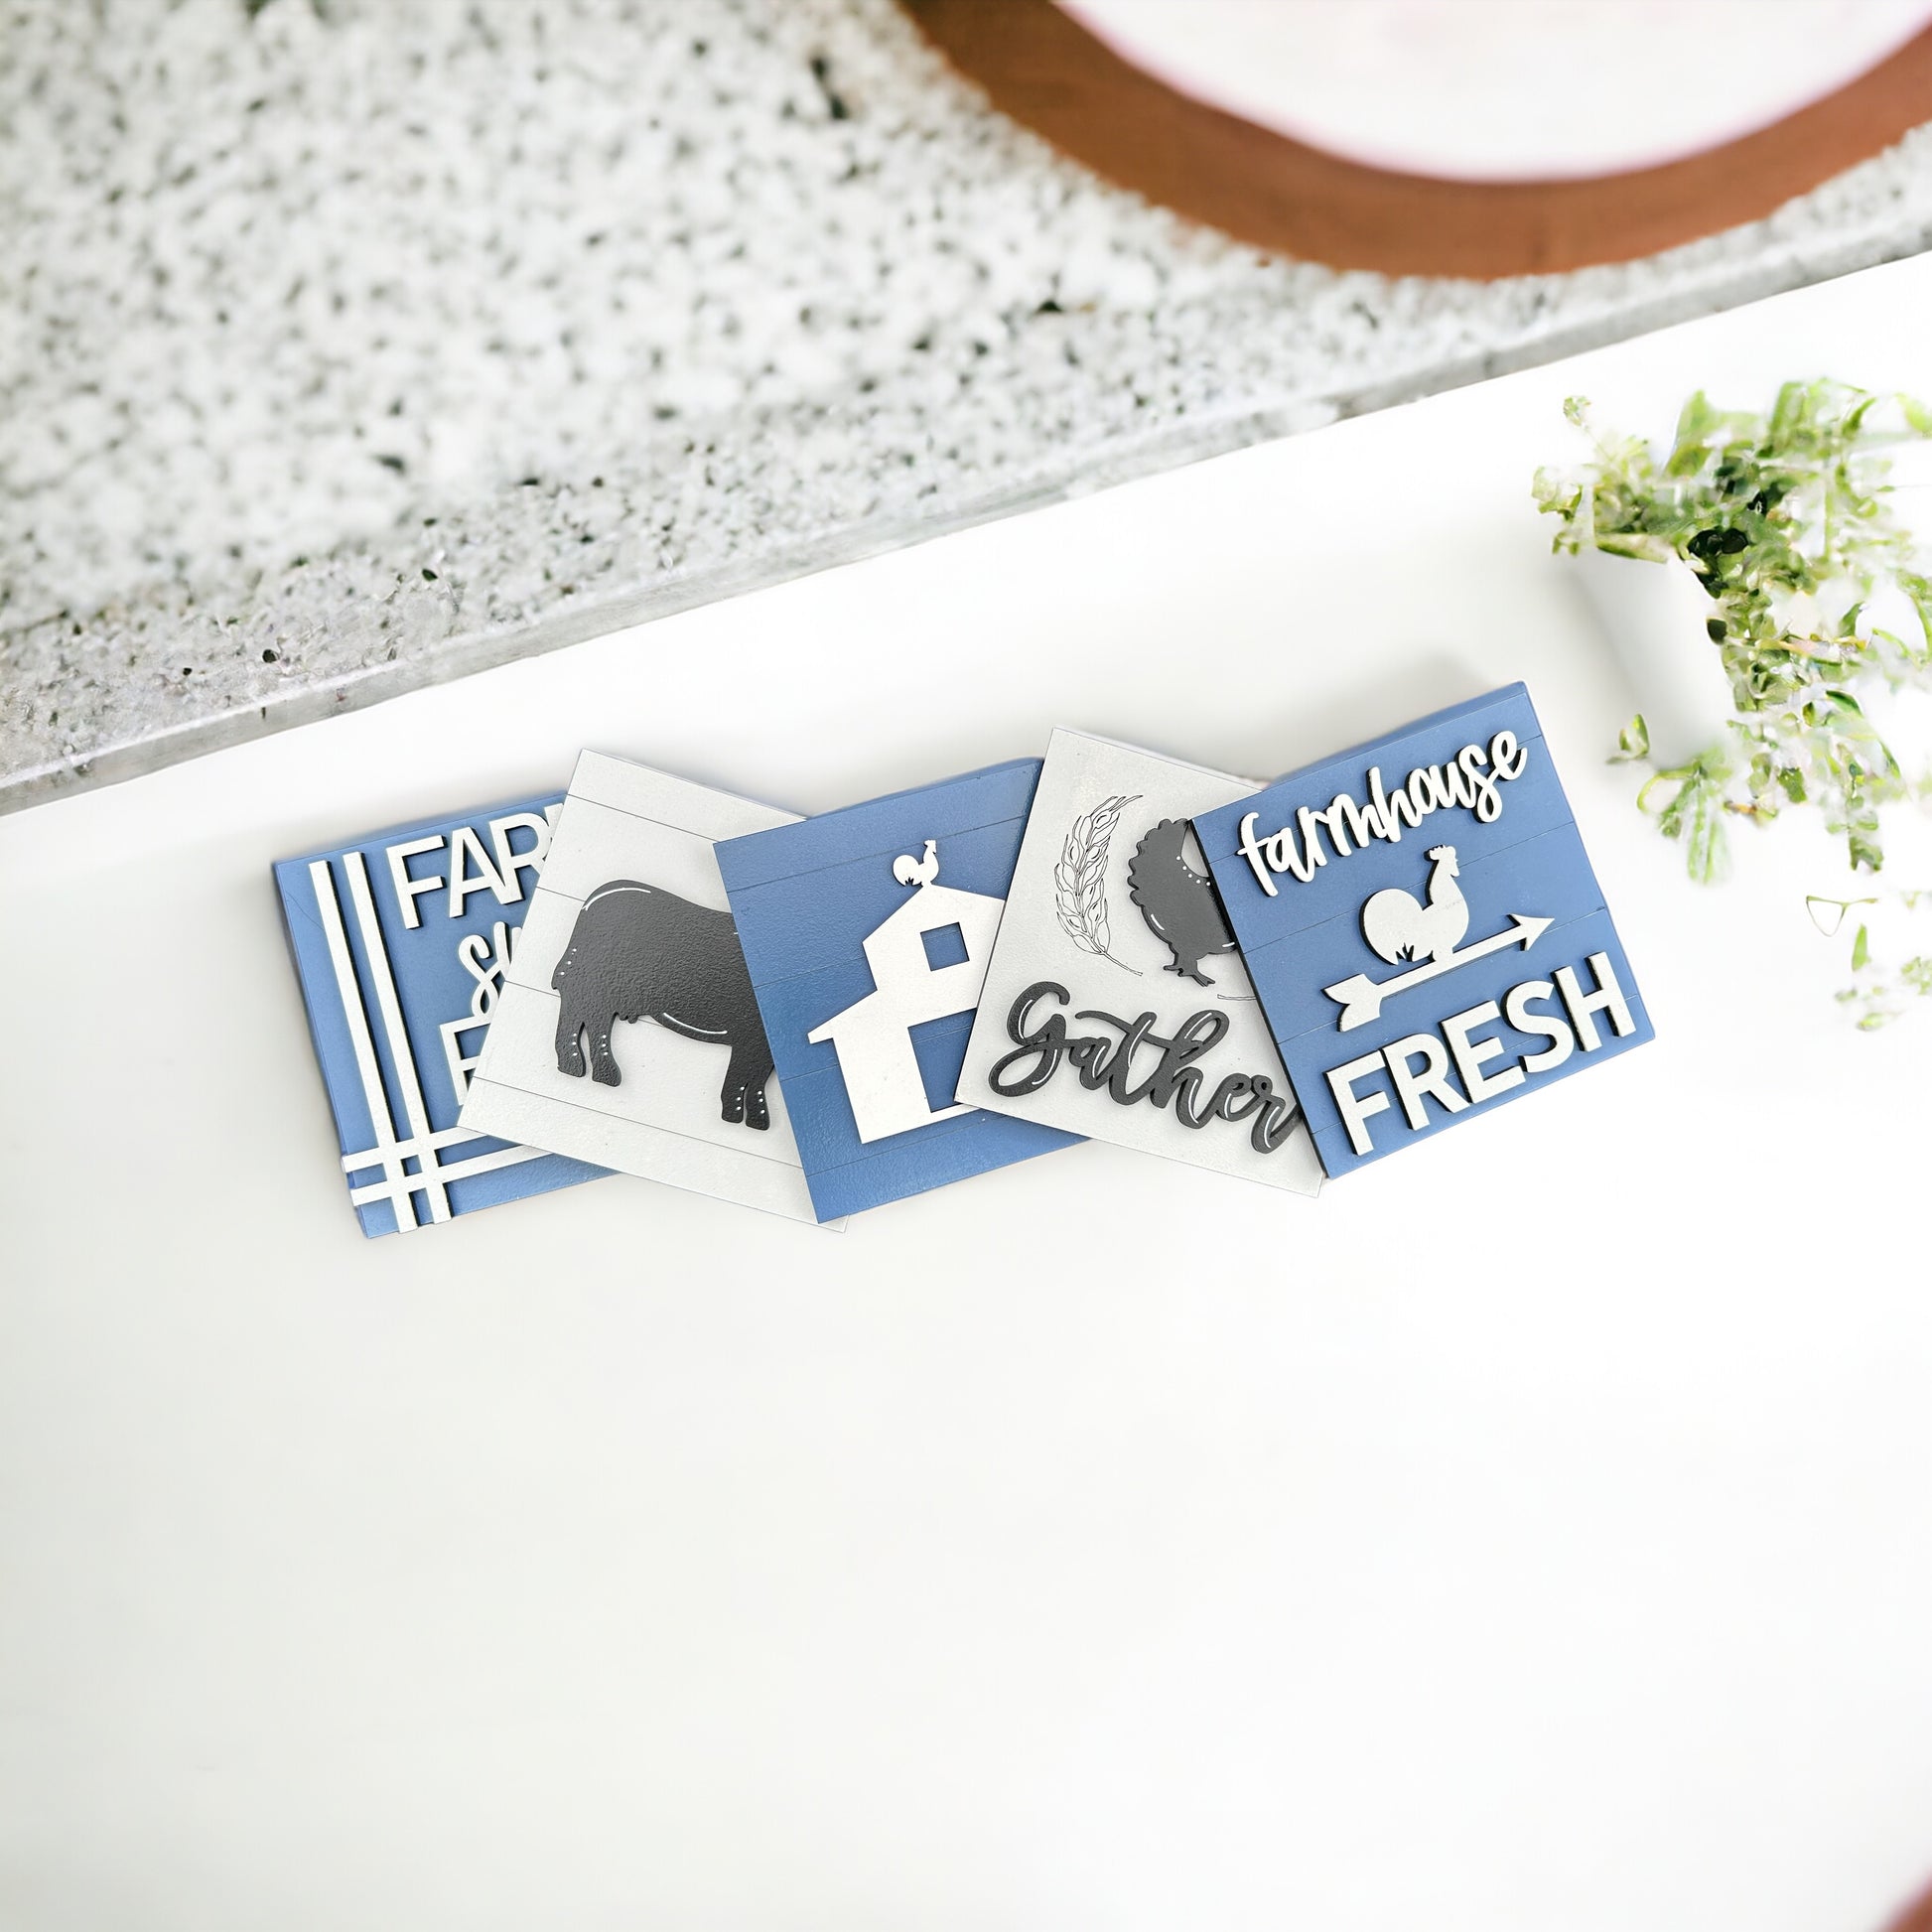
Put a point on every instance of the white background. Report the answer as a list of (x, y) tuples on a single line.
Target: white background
[(1531, 1533)]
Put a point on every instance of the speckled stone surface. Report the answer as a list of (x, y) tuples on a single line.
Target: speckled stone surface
[(351, 344)]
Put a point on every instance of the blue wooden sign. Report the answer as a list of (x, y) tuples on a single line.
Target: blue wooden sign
[(1423, 927), (867, 933), (400, 941)]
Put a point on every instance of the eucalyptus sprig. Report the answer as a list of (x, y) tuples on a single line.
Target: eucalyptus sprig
[(1788, 522)]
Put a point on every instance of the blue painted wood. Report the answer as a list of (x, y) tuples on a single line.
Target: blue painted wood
[(433, 986), (805, 899), (1424, 1061)]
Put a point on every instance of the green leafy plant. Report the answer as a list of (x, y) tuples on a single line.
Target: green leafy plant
[(1819, 598), (1878, 992)]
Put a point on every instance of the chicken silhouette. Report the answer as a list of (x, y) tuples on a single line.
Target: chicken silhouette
[(1399, 929), (910, 871), (1178, 904)]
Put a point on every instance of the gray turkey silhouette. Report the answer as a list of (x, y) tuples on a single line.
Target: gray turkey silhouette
[(1180, 904)]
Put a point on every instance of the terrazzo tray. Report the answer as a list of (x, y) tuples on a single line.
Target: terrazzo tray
[(353, 351)]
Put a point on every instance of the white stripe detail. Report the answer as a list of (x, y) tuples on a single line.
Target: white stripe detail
[(392, 1024), (424, 1145), (347, 987), (506, 1157)]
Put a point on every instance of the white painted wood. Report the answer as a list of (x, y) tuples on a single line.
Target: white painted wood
[(874, 1036), (1083, 773), (624, 821)]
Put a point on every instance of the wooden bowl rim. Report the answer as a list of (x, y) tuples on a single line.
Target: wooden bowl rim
[(1045, 71)]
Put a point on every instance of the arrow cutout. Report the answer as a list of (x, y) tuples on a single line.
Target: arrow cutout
[(1360, 996)]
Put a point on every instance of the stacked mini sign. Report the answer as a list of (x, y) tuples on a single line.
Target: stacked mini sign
[(1456, 888), (819, 1015), (401, 941)]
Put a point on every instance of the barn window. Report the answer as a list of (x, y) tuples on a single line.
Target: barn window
[(945, 945)]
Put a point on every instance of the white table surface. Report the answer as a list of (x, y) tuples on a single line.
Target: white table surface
[(1534, 1532)]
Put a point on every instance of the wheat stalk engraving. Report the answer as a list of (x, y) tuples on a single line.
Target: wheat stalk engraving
[(1080, 880)]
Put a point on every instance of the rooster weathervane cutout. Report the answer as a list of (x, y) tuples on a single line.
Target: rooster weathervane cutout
[(1398, 926)]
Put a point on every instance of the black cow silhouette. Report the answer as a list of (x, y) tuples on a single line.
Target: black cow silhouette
[(639, 952)]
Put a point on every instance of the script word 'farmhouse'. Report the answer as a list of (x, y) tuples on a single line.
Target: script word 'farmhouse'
[(1469, 782)]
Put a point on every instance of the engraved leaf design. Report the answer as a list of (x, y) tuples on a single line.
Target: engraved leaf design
[(1081, 879)]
